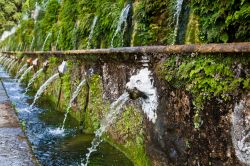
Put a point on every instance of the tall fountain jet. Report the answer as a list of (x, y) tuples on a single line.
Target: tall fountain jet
[(61, 70)]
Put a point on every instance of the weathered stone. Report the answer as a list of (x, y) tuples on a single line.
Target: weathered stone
[(14, 148)]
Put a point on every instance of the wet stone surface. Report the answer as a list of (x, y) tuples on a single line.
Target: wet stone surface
[(14, 149)]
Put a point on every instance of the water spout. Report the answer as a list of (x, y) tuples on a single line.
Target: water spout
[(21, 70), (32, 80), (25, 73), (141, 86), (114, 111), (43, 88), (122, 19), (45, 66), (75, 94), (62, 68)]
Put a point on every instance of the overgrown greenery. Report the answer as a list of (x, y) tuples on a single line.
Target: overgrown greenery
[(154, 22), (223, 21), (208, 77), (10, 13)]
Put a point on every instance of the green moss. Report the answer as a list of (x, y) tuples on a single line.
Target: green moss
[(96, 108), (192, 32), (208, 77), (153, 22), (223, 21), (129, 127)]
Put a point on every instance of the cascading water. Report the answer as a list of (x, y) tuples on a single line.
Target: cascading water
[(61, 70), (45, 41), (13, 66), (20, 71), (75, 94), (12, 62), (25, 73), (32, 80), (7, 62), (57, 38), (122, 19), (36, 12), (92, 31), (32, 43), (114, 111), (178, 8), (43, 88)]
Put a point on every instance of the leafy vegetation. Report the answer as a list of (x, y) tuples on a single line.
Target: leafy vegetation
[(208, 77), (223, 21), (10, 13)]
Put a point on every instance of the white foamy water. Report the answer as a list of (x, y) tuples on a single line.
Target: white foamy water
[(122, 19), (56, 131), (143, 82), (75, 94), (43, 88), (25, 73), (32, 80), (114, 111), (8, 33)]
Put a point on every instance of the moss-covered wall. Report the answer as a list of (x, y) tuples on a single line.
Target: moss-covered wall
[(196, 92), (93, 102)]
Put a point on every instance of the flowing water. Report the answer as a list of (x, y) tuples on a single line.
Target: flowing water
[(32, 43), (13, 66), (25, 73), (12, 62), (43, 88), (45, 41), (122, 20), (143, 81), (109, 119), (32, 80), (177, 17), (20, 71), (36, 11), (57, 38), (57, 150), (92, 31), (75, 94)]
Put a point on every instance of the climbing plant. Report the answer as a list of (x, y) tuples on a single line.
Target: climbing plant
[(223, 21), (209, 77)]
